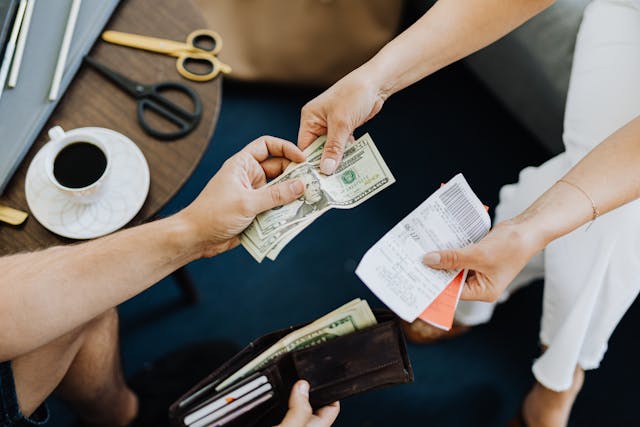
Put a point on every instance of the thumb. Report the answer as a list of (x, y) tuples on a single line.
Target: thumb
[(269, 197), (300, 411), (338, 133), (452, 259)]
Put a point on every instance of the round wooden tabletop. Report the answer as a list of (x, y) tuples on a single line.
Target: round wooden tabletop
[(91, 100)]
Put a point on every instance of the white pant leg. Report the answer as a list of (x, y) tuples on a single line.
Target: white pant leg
[(591, 276), (604, 94)]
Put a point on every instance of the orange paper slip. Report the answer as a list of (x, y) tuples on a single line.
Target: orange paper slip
[(442, 310)]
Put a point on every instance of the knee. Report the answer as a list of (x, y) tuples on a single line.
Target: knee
[(108, 318), (99, 325), (104, 323)]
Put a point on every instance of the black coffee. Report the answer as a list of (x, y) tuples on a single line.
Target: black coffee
[(79, 164)]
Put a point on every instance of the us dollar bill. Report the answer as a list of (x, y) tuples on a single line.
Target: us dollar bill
[(361, 174), (347, 319), (288, 237), (259, 246)]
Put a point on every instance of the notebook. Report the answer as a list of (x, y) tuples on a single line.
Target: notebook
[(26, 108)]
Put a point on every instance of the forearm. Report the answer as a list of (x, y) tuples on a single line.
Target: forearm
[(48, 293), (449, 31), (610, 177)]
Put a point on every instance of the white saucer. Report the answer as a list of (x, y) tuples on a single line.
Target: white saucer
[(125, 190)]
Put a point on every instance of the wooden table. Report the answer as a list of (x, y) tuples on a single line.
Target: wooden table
[(91, 100)]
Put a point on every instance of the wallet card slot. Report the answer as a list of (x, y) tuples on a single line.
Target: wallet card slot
[(203, 390), (198, 415), (268, 413), (230, 393)]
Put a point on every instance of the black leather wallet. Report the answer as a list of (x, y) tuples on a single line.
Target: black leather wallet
[(367, 359)]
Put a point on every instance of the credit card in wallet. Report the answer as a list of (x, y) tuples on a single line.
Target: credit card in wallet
[(243, 410), (224, 398), (224, 405)]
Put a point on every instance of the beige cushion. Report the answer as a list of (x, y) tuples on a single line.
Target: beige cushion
[(301, 41)]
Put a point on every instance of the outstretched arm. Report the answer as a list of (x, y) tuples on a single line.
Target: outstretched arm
[(606, 178), (46, 294), (450, 30)]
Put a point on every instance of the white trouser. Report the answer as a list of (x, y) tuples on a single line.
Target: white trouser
[(591, 277)]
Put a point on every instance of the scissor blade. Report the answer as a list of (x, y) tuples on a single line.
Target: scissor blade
[(167, 47), (134, 88)]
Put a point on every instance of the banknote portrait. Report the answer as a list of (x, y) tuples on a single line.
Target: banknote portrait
[(314, 198)]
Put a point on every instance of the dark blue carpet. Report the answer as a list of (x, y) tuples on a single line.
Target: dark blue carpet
[(444, 125)]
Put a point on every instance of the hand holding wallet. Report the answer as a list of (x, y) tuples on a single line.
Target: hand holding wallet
[(363, 360)]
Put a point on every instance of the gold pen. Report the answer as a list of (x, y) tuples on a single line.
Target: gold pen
[(12, 216)]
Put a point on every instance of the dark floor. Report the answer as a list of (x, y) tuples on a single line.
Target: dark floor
[(428, 133)]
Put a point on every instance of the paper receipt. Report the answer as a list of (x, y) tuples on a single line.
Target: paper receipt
[(452, 217)]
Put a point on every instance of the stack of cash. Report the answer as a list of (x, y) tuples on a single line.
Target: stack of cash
[(361, 174), (345, 320)]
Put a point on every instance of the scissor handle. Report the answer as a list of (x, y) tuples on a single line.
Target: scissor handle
[(207, 40), (215, 66), (186, 121)]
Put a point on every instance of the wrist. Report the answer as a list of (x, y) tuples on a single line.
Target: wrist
[(560, 210), (378, 75), (532, 233), (183, 235), (192, 241)]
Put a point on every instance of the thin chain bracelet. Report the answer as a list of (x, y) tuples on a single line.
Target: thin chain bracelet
[(596, 212)]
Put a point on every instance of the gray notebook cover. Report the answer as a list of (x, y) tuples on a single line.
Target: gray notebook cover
[(26, 108)]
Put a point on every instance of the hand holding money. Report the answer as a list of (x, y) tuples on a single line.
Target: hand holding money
[(361, 174), (237, 193)]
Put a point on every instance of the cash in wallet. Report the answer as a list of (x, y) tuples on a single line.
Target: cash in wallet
[(346, 352)]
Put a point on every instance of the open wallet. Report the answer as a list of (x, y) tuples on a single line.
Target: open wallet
[(366, 359)]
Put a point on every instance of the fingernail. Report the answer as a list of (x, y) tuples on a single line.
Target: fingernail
[(303, 388), (297, 187), (327, 166), (432, 258)]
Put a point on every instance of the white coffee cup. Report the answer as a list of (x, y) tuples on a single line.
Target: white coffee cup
[(61, 139)]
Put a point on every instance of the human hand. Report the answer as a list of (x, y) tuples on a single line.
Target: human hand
[(236, 194), (300, 413), (337, 112), (493, 262)]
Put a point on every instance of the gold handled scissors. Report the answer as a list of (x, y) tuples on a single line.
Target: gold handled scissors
[(201, 48)]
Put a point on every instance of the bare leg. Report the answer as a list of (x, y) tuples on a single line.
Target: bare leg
[(420, 332), (546, 408), (83, 366)]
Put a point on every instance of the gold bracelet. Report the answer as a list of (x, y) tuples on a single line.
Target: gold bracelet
[(596, 212)]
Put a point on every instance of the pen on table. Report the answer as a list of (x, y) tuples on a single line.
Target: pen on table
[(22, 39), (11, 45), (64, 50)]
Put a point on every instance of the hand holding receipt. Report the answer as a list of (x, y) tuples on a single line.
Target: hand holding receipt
[(452, 217)]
